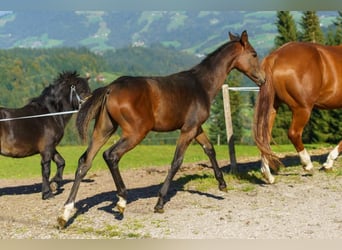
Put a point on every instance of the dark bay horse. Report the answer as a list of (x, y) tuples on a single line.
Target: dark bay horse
[(21, 136), (303, 76), (141, 104)]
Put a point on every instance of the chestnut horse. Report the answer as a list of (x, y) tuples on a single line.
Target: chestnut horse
[(303, 76), (33, 130), (142, 104)]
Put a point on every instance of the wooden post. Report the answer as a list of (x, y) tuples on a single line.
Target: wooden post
[(229, 129)]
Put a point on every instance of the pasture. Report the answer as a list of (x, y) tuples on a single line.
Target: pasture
[(140, 157), (297, 206)]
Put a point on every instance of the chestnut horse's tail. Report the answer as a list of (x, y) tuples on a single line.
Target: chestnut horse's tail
[(89, 110), (262, 113)]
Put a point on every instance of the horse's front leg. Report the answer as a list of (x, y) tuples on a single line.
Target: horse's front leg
[(57, 179), (332, 157), (208, 148), (46, 168), (182, 144)]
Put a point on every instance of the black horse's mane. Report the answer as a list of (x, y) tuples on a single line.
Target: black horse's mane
[(51, 90)]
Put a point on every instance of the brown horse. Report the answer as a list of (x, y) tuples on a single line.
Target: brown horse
[(33, 130), (141, 104), (303, 76)]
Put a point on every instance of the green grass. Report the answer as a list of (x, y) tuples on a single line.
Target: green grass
[(141, 156)]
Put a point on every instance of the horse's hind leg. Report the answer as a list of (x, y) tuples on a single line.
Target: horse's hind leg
[(56, 180), (332, 157), (112, 157), (102, 132), (265, 166), (300, 118), (208, 148)]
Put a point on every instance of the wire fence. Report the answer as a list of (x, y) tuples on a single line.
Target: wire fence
[(149, 140)]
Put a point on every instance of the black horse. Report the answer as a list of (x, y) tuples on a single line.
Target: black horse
[(22, 135)]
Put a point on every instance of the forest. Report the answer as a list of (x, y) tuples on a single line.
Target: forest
[(25, 72)]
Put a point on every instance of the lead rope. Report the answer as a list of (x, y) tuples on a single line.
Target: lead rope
[(72, 91)]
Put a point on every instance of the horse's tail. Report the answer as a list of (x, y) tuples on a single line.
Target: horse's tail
[(262, 113), (89, 110)]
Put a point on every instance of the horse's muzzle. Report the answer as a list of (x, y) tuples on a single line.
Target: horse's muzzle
[(260, 78)]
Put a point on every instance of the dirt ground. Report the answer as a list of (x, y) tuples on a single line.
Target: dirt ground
[(297, 206)]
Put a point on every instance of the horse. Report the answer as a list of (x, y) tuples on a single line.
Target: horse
[(304, 76), (32, 129), (180, 101)]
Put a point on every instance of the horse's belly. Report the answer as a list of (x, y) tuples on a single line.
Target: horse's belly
[(17, 151), (329, 101)]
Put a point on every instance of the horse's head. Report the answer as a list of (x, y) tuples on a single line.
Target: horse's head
[(247, 60), (77, 87)]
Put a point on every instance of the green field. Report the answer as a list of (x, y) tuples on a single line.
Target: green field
[(141, 156)]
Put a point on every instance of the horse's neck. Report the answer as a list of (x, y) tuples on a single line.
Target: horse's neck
[(213, 73), (54, 106)]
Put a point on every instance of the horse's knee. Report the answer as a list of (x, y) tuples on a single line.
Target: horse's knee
[(110, 157), (293, 135), (210, 151)]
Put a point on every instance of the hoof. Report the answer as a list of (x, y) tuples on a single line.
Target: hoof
[(327, 170), (159, 210), (121, 209), (269, 179), (223, 189), (309, 171), (61, 222), (53, 186), (47, 195)]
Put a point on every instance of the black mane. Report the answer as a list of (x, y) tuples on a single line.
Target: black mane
[(53, 89)]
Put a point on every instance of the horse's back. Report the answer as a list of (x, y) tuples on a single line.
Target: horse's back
[(162, 102), (306, 73), (299, 55)]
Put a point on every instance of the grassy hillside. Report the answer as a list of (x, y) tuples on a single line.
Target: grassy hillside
[(196, 32)]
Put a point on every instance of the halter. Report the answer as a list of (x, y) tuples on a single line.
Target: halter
[(79, 99), (72, 91)]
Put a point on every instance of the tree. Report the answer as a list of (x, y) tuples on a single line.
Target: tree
[(338, 29), (311, 28), (287, 30)]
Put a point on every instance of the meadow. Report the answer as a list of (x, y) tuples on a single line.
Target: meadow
[(140, 157)]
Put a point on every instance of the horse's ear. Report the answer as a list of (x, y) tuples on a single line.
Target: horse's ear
[(233, 37), (244, 38)]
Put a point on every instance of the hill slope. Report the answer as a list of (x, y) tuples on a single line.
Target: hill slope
[(195, 32)]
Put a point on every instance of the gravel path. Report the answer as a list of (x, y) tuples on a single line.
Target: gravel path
[(295, 207)]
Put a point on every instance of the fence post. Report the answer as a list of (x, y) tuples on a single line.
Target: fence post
[(229, 129)]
